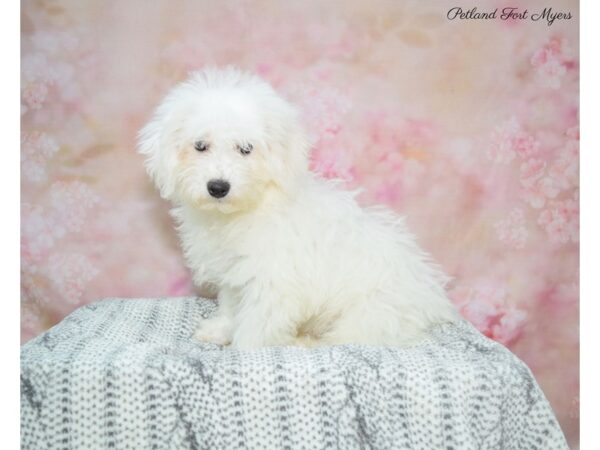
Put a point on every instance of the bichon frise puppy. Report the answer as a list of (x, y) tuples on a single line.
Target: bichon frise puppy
[(295, 259)]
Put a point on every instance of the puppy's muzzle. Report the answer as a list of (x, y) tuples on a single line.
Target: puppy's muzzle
[(218, 188)]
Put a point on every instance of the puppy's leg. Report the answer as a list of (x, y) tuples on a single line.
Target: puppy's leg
[(269, 320), (218, 328)]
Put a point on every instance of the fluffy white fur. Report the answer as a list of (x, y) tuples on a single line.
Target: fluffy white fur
[(295, 259)]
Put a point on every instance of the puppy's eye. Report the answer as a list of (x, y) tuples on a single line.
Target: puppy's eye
[(201, 146), (245, 149)]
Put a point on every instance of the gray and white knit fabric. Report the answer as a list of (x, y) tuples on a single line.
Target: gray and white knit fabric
[(126, 374)]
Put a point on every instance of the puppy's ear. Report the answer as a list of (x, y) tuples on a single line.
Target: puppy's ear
[(153, 143), (290, 146), (298, 147)]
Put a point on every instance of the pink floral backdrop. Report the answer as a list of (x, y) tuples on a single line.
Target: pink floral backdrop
[(470, 128)]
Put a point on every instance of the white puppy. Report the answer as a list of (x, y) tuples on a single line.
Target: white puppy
[(295, 259)]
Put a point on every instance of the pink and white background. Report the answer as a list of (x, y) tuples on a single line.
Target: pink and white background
[(470, 128)]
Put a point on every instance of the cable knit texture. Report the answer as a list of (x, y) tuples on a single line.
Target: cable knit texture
[(126, 374)]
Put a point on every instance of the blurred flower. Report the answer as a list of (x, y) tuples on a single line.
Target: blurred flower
[(330, 164), (70, 274), (565, 169), (574, 409), (388, 193), (43, 225), (542, 189), (37, 233), (561, 221), (323, 108), (31, 320), (509, 326), (509, 140), (512, 230), (71, 202), (34, 94), (552, 61), (573, 132), (36, 150), (531, 171), (485, 305)]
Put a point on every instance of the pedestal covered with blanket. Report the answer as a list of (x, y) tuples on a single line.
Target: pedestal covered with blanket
[(127, 374)]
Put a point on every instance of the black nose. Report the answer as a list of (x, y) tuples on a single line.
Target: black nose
[(218, 188)]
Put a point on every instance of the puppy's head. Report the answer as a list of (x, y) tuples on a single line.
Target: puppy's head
[(221, 140)]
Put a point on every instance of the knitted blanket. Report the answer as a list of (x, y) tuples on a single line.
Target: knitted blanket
[(126, 374)]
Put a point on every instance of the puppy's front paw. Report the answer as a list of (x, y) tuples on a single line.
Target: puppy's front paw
[(216, 330)]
